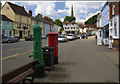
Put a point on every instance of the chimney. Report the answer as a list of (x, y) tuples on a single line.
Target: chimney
[(30, 12), (39, 15), (23, 7)]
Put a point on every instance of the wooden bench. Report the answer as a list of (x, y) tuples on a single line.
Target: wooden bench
[(20, 74)]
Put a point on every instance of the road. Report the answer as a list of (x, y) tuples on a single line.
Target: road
[(16, 54), (79, 61), (82, 61)]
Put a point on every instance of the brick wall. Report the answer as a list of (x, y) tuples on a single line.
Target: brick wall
[(116, 43), (117, 9)]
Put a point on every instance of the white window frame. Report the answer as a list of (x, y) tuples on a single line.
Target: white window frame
[(16, 31), (115, 27), (111, 23), (33, 22), (4, 31), (25, 32), (8, 23), (18, 24), (113, 9), (27, 19), (26, 25), (20, 17)]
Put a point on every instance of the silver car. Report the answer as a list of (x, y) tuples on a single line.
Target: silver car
[(62, 38), (9, 39), (70, 36)]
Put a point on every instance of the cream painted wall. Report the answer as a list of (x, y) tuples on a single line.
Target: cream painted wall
[(9, 13)]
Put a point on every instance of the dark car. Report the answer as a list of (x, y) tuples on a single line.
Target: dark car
[(29, 38), (9, 39)]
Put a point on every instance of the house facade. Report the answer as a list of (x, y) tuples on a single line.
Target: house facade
[(99, 30), (6, 26), (19, 16), (40, 22), (70, 27), (114, 23), (105, 23)]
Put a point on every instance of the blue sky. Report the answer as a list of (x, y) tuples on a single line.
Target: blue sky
[(59, 9)]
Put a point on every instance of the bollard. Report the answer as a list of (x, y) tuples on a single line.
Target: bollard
[(37, 50), (53, 42)]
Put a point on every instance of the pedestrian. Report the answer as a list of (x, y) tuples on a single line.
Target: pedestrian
[(80, 37), (110, 42)]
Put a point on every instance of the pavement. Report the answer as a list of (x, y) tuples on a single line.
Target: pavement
[(21, 40), (82, 61)]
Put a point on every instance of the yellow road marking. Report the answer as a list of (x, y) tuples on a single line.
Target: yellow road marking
[(13, 49), (14, 55), (24, 53), (10, 56)]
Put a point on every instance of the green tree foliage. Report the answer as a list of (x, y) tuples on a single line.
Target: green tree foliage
[(92, 20), (69, 18), (62, 29), (59, 22)]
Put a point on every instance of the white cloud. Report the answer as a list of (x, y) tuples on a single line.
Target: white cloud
[(62, 19), (61, 11), (46, 9), (82, 7)]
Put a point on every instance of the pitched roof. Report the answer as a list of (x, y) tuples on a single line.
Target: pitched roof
[(6, 18), (73, 22), (18, 9), (66, 22), (40, 19)]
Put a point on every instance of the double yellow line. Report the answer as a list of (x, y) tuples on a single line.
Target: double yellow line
[(10, 56), (14, 55)]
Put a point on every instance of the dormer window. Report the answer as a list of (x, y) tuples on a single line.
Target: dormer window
[(7, 8), (27, 19), (20, 18)]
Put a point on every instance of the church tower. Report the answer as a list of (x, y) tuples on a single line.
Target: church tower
[(72, 11)]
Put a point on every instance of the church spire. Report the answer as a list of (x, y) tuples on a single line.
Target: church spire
[(72, 11)]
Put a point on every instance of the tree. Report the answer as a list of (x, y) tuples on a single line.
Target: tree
[(61, 30), (59, 22), (92, 20), (69, 18)]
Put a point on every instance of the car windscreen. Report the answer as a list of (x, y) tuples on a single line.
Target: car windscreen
[(61, 37), (69, 35)]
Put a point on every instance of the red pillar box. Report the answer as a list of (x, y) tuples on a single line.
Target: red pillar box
[(53, 42)]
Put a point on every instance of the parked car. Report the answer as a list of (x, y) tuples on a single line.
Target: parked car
[(62, 38), (77, 36), (9, 39), (44, 37), (29, 38), (70, 36)]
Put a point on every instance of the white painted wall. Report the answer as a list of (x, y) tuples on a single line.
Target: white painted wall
[(111, 27), (70, 27)]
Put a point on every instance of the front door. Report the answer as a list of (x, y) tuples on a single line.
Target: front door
[(20, 34)]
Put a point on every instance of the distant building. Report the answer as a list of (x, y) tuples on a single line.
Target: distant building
[(105, 23), (19, 16), (71, 27), (114, 24), (49, 27), (6, 26), (41, 22), (99, 30)]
